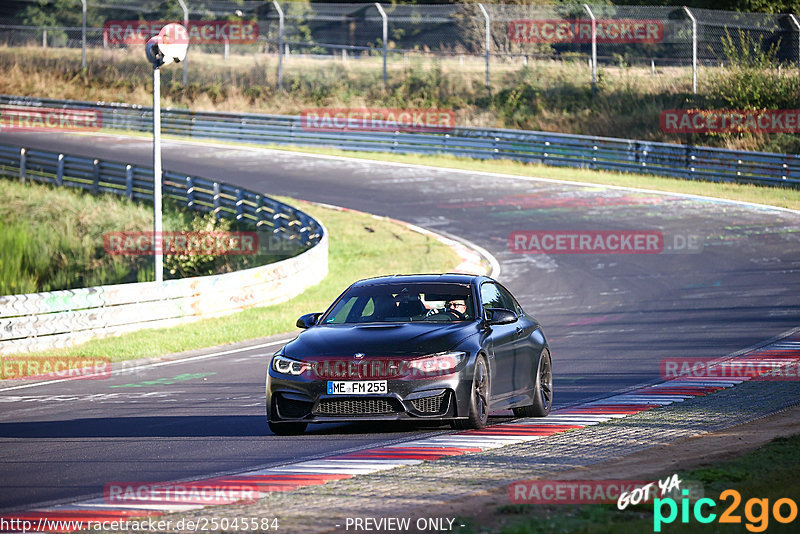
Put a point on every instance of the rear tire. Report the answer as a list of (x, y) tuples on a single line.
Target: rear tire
[(478, 399), (287, 429), (542, 391)]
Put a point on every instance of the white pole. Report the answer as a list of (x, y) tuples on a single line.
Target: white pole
[(280, 43), (385, 38), (83, 34), (157, 226), (185, 25), (594, 46), (694, 49), (796, 25), (488, 44)]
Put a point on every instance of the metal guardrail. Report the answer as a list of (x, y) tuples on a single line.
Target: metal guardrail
[(581, 151), (54, 319)]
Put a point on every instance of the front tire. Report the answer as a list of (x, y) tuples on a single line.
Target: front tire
[(478, 399), (542, 390)]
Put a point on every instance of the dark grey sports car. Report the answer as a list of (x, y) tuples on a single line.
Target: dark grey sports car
[(448, 347)]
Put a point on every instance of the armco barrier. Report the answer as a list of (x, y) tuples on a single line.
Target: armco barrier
[(55, 319), (602, 153)]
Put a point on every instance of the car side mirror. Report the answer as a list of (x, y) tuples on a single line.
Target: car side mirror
[(499, 316), (308, 320)]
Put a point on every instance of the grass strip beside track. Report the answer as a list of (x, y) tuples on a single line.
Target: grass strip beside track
[(361, 246)]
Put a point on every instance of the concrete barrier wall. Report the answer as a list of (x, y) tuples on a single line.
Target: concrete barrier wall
[(43, 321)]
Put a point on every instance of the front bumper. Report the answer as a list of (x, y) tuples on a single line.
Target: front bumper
[(296, 399)]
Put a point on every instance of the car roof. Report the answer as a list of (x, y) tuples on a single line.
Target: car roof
[(446, 278)]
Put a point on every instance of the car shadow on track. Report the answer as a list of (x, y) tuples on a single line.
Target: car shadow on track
[(195, 426)]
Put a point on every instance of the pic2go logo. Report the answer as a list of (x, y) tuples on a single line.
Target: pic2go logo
[(756, 511)]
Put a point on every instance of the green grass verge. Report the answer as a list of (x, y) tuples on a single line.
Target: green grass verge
[(361, 246), (769, 472)]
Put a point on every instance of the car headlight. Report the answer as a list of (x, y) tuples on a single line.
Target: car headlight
[(440, 363), (284, 365)]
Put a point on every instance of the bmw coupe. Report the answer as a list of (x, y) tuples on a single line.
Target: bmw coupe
[(448, 347)]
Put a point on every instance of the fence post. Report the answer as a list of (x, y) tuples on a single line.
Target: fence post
[(385, 38), (23, 163), (216, 200), (594, 46), (129, 181), (95, 176), (796, 25), (44, 37), (185, 25), (488, 44), (280, 43), (83, 34), (239, 205), (60, 170), (189, 192), (694, 48)]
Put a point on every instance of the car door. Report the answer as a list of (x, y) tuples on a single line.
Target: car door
[(503, 338), (522, 372)]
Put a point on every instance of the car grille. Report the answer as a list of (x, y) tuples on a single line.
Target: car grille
[(357, 406), (431, 405)]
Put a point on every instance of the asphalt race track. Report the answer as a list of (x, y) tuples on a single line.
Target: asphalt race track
[(610, 318)]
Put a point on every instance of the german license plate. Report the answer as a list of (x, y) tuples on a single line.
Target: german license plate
[(363, 387)]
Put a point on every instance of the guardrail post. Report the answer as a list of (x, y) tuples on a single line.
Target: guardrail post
[(83, 34), (280, 43), (259, 212), (239, 205), (594, 155), (23, 163), (189, 192), (694, 48), (95, 176), (594, 46), (488, 43), (129, 181), (185, 25), (385, 39), (690, 162), (60, 170), (217, 206), (796, 25)]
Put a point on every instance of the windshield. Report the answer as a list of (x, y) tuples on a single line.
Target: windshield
[(399, 303)]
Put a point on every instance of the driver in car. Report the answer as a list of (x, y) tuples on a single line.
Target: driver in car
[(459, 306)]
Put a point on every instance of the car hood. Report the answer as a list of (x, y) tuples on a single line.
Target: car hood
[(406, 339)]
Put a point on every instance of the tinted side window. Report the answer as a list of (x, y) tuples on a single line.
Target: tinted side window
[(510, 302), (492, 298)]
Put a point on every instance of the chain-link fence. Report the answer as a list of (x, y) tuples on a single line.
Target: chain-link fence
[(386, 37)]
